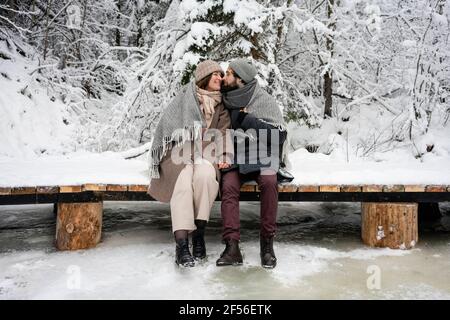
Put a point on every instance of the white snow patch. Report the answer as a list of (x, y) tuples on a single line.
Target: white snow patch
[(301, 261), (316, 168), (31, 122), (73, 169), (409, 43), (246, 12)]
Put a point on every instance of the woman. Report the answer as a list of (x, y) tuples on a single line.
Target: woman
[(191, 185)]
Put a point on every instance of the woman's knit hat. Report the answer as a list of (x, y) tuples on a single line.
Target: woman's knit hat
[(205, 68)]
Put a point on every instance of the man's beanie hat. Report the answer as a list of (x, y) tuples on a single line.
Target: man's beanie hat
[(244, 69), (205, 68)]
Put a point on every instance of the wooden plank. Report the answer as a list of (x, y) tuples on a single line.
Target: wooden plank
[(138, 187), (372, 188), (394, 188), (24, 190), (116, 187), (415, 188), (5, 191), (248, 188), (435, 188), (308, 188), (69, 189), (93, 187), (287, 188), (47, 189), (350, 188), (330, 188)]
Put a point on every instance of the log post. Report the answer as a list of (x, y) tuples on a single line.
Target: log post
[(78, 225), (392, 225)]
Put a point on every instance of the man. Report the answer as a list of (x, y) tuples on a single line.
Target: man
[(254, 114)]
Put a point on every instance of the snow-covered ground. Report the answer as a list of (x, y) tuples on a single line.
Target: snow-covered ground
[(320, 256), (73, 169), (313, 168), (308, 168), (33, 121)]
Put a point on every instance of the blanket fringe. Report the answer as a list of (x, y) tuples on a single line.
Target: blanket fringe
[(279, 126), (179, 137)]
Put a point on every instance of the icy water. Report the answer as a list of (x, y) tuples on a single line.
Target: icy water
[(320, 256)]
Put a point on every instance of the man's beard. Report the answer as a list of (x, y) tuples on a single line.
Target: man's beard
[(226, 88)]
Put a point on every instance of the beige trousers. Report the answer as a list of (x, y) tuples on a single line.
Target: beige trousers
[(193, 196)]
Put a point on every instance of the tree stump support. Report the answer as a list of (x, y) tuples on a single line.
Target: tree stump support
[(391, 225), (78, 225)]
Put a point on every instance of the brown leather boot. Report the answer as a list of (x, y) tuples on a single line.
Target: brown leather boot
[(268, 259), (231, 256)]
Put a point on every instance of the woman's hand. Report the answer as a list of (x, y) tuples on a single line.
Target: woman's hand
[(223, 165)]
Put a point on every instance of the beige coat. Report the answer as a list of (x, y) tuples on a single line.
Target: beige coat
[(161, 189)]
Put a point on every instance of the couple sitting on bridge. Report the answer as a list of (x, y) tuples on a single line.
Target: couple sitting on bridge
[(220, 131)]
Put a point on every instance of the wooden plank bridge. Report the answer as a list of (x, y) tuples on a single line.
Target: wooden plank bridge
[(389, 212)]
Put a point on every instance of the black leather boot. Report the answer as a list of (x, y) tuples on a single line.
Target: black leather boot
[(198, 240), (231, 256), (182, 254), (268, 259), (198, 246)]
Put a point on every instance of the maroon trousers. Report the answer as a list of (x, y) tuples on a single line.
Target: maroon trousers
[(231, 184)]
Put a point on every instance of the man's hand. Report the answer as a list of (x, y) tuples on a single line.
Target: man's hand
[(223, 165)]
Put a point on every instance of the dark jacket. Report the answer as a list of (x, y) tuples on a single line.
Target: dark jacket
[(253, 154)]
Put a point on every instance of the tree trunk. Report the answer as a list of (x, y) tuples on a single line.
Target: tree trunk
[(47, 27), (328, 91), (119, 8), (118, 35), (327, 78), (33, 19), (78, 225), (12, 14), (139, 37), (77, 34), (84, 14), (392, 225)]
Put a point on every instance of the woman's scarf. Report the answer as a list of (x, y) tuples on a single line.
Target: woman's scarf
[(208, 102)]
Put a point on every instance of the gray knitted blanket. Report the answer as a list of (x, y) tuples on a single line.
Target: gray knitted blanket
[(181, 121)]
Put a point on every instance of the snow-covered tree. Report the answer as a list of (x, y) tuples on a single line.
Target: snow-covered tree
[(116, 63)]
